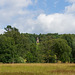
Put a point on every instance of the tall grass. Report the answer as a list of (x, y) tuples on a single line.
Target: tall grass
[(37, 69)]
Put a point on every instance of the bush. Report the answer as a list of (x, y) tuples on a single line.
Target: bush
[(19, 60)]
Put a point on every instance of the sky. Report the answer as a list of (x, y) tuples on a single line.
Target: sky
[(38, 16)]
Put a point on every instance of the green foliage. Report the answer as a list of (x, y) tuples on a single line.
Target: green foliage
[(68, 38), (6, 48), (73, 50), (19, 60), (58, 48), (62, 50), (15, 47)]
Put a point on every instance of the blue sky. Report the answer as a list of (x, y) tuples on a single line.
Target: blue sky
[(49, 6), (38, 16)]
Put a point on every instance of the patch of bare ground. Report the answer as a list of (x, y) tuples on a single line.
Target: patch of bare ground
[(20, 73), (62, 71)]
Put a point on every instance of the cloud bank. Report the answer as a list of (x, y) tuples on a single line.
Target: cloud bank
[(15, 12)]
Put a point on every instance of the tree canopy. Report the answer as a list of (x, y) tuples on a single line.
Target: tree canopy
[(16, 47)]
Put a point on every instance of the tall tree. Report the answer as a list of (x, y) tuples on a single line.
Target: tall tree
[(57, 48), (6, 49)]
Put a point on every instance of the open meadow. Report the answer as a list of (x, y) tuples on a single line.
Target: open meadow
[(37, 69)]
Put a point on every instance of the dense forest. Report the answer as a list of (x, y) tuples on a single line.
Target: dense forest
[(16, 47)]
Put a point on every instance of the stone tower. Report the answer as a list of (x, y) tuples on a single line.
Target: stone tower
[(37, 40)]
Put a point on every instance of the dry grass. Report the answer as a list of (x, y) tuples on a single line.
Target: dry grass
[(37, 69)]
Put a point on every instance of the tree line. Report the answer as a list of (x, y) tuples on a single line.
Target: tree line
[(16, 47)]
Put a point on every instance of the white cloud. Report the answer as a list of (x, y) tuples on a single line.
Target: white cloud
[(72, 1), (25, 25), (71, 8), (55, 3), (60, 23), (14, 12), (15, 3), (2, 31), (11, 10), (52, 23)]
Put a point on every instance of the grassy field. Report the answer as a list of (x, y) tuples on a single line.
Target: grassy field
[(37, 69)]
